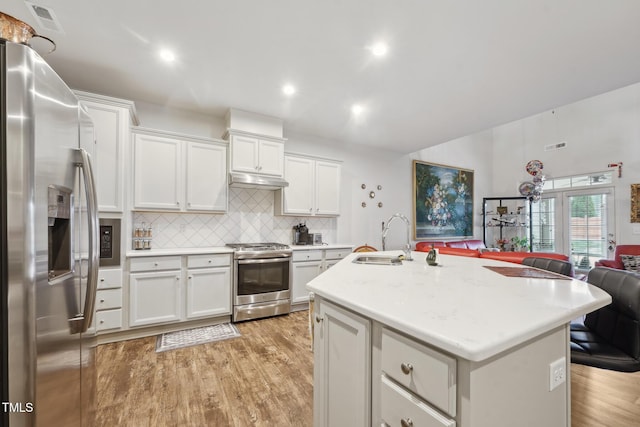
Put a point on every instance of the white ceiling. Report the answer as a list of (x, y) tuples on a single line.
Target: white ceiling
[(453, 67)]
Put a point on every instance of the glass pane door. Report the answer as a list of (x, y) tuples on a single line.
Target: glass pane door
[(590, 222), (543, 223)]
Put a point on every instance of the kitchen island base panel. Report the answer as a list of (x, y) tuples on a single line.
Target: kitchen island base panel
[(512, 388)]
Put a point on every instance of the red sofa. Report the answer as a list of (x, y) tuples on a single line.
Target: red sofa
[(616, 262), (473, 248)]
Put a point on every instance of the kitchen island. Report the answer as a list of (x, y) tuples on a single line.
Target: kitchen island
[(456, 344)]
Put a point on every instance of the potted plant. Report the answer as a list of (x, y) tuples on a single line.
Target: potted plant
[(520, 243), (501, 243)]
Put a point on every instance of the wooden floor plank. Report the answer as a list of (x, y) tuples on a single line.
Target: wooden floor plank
[(265, 378)]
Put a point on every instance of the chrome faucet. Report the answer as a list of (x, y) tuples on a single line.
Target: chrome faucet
[(385, 230)]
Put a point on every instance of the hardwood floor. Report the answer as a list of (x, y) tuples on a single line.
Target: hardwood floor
[(265, 378)]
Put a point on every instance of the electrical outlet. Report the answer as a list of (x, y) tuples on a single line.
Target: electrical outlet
[(557, 373)]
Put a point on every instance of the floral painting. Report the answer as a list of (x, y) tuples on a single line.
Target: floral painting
[(443, 201)]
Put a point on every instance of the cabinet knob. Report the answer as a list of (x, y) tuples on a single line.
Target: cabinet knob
[(177, 277), (155, 264), (406, 422), (101, 322), (318, 319), (406, 368), (102, 280), (102, 300), (177, 203), (210, 261), (190, 277), (310, 209)]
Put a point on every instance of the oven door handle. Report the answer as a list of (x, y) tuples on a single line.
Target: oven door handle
[(263, 260)]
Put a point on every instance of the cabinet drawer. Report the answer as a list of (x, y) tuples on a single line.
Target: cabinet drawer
[(155, 263), (424, 371), (307, 256), (218, 260), (397, 404), (109, 319), (109, 298), (111, 278), (336, 253)]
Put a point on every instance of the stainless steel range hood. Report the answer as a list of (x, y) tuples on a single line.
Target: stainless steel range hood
[(247, 180)]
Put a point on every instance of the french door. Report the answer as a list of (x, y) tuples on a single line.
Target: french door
[(578, 222)]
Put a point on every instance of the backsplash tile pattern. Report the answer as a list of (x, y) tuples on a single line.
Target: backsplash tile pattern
[(250, 218)]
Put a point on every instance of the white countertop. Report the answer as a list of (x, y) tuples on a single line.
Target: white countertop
[(223, 250), (324, 246), (180, 251), (459, 306)]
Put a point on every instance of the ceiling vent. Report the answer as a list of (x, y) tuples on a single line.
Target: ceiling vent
[(45, 16), (558, 146)]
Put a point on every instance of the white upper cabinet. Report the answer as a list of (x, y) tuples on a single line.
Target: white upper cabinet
[(206, 177), (112, 119), (157, 173), (327, 188), (314, 187), (298, 196), (256, 154), (178, 173)]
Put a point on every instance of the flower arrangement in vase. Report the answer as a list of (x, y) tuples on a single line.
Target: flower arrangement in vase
[(501, 243)]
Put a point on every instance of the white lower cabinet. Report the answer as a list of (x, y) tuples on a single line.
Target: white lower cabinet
[(398, 407), (303, 273), (366, 374), (167, 289), (420, 369), (108, 316), (307, 265), (208, 289), (342, 367), (155, 297)]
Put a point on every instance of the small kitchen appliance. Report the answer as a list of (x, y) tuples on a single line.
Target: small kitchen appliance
[(301, 235)]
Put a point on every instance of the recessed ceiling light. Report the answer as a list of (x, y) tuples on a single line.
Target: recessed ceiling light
[(379, 49), (288, 89), (357, 109), (167, 55)]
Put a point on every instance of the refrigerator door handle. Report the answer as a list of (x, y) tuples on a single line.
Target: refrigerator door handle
[(84, 162)]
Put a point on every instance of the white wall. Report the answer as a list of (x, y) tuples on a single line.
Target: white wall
[(599, 130)]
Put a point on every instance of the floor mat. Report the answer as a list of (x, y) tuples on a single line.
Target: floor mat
[(195, 336)]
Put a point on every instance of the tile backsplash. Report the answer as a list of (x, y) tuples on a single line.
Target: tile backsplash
[(249, 218)]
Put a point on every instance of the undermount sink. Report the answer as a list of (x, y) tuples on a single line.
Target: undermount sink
[(377, 260)]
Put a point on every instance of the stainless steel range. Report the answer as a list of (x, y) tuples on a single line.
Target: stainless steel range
[(261, 280)]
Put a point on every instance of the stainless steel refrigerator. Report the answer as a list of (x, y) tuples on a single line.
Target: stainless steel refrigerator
[(49, 253)]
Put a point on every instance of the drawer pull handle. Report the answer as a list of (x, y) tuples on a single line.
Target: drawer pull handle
[(407, 368), (319, 319), (406, 422)]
